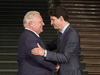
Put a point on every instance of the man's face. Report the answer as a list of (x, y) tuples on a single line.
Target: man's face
[(38, 24), (55, 22)]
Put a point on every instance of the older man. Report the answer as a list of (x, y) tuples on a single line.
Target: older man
[(32, 64)]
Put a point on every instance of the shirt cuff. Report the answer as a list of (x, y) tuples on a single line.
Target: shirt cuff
[(45, 53)]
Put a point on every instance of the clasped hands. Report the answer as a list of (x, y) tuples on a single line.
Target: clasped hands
[(40, 51)]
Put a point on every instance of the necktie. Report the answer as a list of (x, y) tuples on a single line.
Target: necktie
[(60, 36)]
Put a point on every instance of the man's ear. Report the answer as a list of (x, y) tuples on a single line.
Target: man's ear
[(30, 23), (61, 18)]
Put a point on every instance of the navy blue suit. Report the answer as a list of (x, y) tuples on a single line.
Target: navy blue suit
[(28, 63)]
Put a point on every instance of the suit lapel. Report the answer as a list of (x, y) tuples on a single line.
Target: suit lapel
[(39, 38), (64, 36)]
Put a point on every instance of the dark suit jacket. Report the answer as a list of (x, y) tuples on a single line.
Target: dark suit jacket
[(32, 64), (68, 52)]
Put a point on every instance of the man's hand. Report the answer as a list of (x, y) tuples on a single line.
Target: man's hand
[(57, 67), (38, 51)]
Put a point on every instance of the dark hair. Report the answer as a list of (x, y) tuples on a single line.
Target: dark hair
[(59, 11)]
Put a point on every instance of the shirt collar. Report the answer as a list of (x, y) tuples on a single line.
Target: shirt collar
[(32, 31), (62, 31)]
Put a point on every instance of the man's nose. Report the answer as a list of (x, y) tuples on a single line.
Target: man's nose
[(43, 23), (51, 23)]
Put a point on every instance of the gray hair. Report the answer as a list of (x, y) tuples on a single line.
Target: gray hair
[(30, 16)]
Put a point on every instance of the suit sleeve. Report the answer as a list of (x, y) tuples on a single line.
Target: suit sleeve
[(52, 45), (32, 43), (68, 47)]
